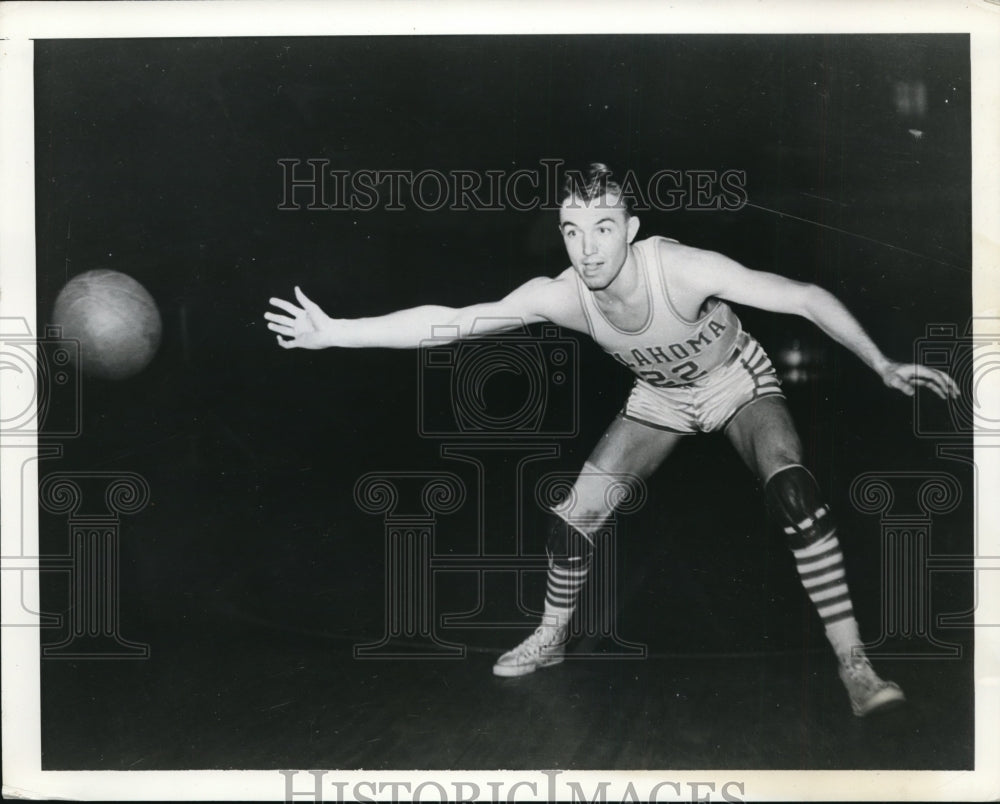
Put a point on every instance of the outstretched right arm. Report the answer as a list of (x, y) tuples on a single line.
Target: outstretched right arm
[(306, 326)]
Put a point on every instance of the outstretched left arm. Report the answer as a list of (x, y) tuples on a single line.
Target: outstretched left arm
[(730, 280)]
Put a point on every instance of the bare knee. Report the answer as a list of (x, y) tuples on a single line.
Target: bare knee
[(596, 495), (775, 458), (765, 437)]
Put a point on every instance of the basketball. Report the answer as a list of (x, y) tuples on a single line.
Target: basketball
[(114, 319)]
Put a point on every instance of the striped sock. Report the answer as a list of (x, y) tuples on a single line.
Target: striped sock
[(565, 580), (821, 570)]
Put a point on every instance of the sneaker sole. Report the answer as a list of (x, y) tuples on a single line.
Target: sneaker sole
[(882, 701), (513, 670)]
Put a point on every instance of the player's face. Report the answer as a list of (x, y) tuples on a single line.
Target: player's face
[(597, 234)]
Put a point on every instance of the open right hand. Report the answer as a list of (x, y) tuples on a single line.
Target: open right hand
[(305, 326)]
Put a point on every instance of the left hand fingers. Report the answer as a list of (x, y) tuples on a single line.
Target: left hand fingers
[(936, 387), (943, 385), (905, 384)]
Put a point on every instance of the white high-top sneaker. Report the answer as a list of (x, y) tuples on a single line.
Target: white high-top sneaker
[(867, 691), (544, 648)]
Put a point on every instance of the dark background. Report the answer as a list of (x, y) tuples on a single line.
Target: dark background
[(159, 158)]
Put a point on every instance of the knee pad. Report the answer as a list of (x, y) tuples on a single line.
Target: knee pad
[(794, 500), (565, 544)]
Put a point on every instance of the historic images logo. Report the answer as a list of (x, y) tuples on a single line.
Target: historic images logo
[(314, 184)]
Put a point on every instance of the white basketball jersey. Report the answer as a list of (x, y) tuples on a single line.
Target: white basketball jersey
[(667, 350)]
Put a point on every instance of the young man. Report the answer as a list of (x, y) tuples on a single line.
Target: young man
[(658, 307)]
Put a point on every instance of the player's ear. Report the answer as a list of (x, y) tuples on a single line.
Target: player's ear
[(633, 228)]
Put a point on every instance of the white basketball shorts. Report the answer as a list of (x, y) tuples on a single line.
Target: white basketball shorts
[(712, 402)]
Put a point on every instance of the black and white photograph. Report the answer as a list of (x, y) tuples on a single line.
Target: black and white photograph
[(430, 402)]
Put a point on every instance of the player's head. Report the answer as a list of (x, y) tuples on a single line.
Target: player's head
[(596, 225)]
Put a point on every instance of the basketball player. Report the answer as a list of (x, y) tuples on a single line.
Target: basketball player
[(659, 307)]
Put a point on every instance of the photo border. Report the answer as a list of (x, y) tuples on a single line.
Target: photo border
[(22, 23)]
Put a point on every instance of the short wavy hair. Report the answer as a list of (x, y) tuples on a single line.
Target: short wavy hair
[(593, 183)]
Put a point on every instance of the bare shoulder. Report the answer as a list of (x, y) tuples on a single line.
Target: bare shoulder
[(554, 298), (682, 256), (691, 267)]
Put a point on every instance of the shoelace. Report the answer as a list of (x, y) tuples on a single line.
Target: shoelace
[(538, 640), (861, 672)]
